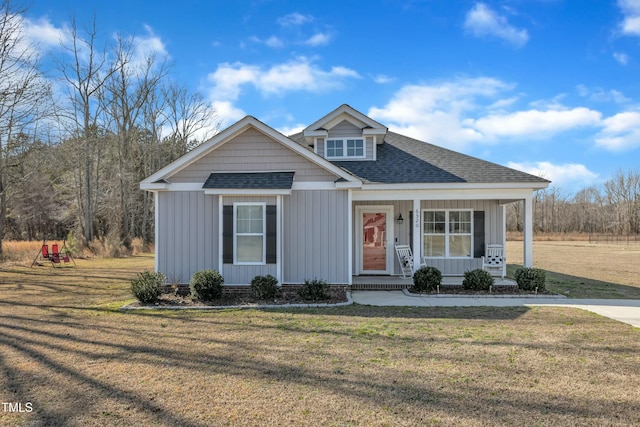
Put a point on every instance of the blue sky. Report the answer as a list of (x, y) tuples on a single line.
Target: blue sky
[(551, 87)]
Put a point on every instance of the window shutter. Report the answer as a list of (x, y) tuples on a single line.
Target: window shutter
[(271, 244), (478, 234), (227, 234)]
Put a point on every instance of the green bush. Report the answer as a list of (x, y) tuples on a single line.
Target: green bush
[(264, 287), (477, 280), (314, 290), (206, 285), (147, 287), (426, 279), (529, 279)]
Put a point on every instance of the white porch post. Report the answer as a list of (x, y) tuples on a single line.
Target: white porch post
[(417, 238), (528, 231)]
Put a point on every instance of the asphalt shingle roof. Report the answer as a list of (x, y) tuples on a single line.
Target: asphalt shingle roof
[(402, 160), (251, 180)]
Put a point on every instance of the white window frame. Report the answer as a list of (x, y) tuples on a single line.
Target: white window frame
[(263, 234), (344, 143), (447, 233)]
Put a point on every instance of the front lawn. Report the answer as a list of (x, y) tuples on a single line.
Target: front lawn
[(67, 350)]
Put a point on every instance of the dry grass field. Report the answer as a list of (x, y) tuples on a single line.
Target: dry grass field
[(585, 270), (78, 361)]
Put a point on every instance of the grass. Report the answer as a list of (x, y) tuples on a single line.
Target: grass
[(66, 348), (584, 270)]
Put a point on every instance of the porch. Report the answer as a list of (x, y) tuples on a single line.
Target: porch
[(398, 282)]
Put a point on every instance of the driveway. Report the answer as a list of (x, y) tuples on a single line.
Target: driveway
[(626, 311)]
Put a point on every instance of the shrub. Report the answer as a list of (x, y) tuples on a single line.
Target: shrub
[(426, 279), (529, 279), (477, 280), (147, 287), (314, 290), (206, 285), (264, 287)]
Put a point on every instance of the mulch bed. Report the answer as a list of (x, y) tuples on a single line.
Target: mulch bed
[(496, 290), (243, 299)]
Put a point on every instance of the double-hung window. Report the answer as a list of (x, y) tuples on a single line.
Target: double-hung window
[(249, 233), (345, 148), (447, 233)]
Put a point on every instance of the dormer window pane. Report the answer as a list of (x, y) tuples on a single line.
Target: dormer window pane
[(344, 148), (355, 148), (334, 148)]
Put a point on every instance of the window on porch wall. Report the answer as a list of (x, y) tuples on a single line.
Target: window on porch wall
[(447, 234)]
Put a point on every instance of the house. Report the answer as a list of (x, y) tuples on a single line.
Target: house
[(330, 202)]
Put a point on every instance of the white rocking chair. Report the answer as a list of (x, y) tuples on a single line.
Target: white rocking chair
[(494, 259), (405, 258)]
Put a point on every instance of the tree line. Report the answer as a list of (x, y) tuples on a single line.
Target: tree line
[(612, 208), (77, 138)]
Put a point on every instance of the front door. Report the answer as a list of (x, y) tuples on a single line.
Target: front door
[(375, 224)]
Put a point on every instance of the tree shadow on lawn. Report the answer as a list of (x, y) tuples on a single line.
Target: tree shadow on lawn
[(66, 353)]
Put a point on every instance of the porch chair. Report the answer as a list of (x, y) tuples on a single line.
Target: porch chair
[(405, 258), (494, 259)]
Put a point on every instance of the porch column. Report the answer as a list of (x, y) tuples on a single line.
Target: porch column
[(528, 231), (417, 238)]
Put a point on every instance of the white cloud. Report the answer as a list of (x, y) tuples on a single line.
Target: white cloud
[(534, 123), (620, 132), (274, 41), (294, 19), (482, 21), (567, 175), (622, 58), (227, 113), (318, 39), (147, 46), (631, 17), (436, 112), (382, 79), (601, 95), (290, 130), (300, 74), (44, 34)]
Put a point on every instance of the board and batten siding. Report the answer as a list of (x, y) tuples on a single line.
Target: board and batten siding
[(252, 151), (493, 229), (187, 234), (493, 232), (315, 236), (243, 274)]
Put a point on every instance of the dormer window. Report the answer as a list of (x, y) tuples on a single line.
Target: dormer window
[(352, 148)]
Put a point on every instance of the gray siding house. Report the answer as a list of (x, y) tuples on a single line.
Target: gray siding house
[(330, 202)]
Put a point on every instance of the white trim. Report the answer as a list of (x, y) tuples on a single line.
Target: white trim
[(154, 186), (528, 231), (156, 224), (263, 234), (443, 194), (221, 235), (247, 192), (278, 239), (375, 148), (447, 233), (417, 233), (347, 110), (227, 135), (350, 236), (313, 185), (344, 141), (389, 210)]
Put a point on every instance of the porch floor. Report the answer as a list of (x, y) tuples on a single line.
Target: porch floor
[(398, 282)]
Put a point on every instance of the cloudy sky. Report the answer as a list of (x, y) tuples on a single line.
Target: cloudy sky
[(551, 87)]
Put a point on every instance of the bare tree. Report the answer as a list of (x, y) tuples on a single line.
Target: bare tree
[(85, 75), (23, 94)]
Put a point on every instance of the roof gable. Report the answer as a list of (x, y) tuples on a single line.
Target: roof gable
[(367, 125), (209, 147)]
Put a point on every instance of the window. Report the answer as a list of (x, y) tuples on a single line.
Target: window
[(249, 233), (344, 148), (447, 234)]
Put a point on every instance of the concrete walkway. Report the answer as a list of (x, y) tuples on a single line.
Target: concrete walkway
[(627, 311)]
